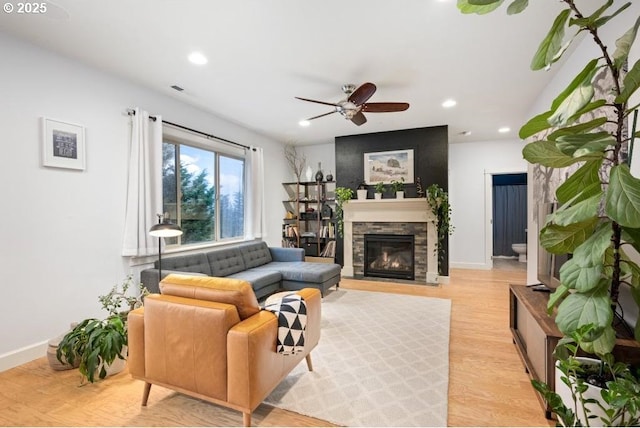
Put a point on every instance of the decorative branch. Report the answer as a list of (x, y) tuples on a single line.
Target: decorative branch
[(296, 161)]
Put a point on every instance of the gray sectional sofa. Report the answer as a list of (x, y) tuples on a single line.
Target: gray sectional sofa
[(268, 269)]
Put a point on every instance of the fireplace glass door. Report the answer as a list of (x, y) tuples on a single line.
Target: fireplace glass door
[(389, 256)]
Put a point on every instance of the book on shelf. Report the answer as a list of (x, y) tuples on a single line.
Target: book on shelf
[(291, 231), (329, 249)]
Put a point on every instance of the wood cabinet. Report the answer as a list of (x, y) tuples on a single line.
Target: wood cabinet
[(536, 335), (309, 221)]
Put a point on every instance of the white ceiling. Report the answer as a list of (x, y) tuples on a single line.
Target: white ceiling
[(263, 53)]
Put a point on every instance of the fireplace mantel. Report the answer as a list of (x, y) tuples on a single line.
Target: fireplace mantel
[(410, 210)]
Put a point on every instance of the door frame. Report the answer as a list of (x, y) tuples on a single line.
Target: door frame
[(488, 210)]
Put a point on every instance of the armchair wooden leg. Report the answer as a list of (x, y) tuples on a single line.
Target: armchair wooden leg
[(309, 362), (246, 419), (145, 394)]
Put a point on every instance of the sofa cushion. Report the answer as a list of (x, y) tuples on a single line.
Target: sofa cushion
[(190, 263), (258, 278), (255, 254), (224, 290), (225, 261), (304, 271)]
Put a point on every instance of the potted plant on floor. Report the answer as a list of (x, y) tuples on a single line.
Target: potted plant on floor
[(586, 130), (100, 344)]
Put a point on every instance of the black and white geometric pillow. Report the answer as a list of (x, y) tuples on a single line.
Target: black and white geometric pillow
[(291, 311)]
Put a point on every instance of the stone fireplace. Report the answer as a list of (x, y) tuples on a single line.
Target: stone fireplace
[(390, 217)]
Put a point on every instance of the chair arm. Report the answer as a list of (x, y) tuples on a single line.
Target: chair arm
[(254, 366), (287, 254), (135, 341)]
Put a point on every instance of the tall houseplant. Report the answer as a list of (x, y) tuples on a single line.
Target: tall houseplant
[(599, 213), (343, 195)]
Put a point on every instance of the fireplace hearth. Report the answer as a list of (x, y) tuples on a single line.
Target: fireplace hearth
[(389, 256)]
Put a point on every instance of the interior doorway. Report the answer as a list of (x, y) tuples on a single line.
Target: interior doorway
[(506, 213)]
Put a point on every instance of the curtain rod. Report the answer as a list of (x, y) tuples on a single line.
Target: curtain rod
[(132, 112)]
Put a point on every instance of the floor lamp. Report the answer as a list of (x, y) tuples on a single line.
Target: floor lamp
[(164, 229)]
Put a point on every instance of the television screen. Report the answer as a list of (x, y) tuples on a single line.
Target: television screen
[(548, 264)]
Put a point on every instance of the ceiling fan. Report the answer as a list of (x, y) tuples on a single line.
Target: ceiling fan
[(355, 104)]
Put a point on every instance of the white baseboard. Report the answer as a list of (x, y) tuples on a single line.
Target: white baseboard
[(479, 266), (23, 355)]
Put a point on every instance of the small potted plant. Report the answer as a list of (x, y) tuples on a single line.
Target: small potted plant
[(362, 191), (379, 190), (343, 195), (100, 346), (397, 186)]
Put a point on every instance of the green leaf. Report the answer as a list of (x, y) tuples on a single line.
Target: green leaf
[(584, 144), (623, 45), (547, 154), (577, 129), (535, 125), (575, 276), (630, 84), (577, 99), (579, 309), (479, 7), (622, 202), (632, 236), (577, 81), (565, 239), (517, 6), (557, 296), (580, 181), (551, 43), (601, 21), (578, 211)]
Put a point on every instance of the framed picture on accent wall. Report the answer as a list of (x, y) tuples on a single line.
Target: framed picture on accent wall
[(389, 166), (63, 144)]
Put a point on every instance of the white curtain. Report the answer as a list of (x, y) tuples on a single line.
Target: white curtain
[(144, 185), (254, 224)]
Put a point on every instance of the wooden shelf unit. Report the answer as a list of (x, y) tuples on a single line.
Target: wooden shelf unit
[(309, 228)]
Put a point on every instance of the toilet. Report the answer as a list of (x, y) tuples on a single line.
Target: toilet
[(521, 249)]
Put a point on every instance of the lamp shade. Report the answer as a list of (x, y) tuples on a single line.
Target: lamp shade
[(165, 230)]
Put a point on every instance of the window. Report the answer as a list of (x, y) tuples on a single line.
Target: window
[(202, 187)]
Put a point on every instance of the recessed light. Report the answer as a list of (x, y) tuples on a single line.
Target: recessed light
[(504, 130), (304, 123), (449, 103), (197, 58)]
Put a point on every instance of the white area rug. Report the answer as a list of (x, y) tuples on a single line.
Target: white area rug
[(382, 360)]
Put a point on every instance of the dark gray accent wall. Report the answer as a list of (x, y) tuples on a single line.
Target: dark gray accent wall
[(431, 162)]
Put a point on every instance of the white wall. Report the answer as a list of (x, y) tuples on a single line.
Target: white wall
[(61, 230), (469, 164)]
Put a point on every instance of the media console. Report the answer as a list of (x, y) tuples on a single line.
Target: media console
[(535, 335)]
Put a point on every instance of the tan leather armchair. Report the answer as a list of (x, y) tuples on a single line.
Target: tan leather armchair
[(207, 337)]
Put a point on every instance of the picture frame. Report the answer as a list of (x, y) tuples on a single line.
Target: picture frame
[(388, 166), (63, 144)]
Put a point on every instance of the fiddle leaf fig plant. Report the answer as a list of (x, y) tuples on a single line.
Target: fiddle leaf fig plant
[(599, 203)]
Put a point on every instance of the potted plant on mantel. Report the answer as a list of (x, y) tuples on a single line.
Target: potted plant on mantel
[(599, 214), (98, 346), (379, 189), (397, 186)]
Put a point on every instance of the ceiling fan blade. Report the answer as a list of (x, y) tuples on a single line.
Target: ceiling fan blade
[(318, 102), (362, 94), (321, 115), (359, 118), (384, 107)]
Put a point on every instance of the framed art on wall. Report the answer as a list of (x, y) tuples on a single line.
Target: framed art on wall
[(389, 166), (63, 144)]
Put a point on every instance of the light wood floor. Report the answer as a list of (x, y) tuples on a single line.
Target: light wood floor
[(488, 385)]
